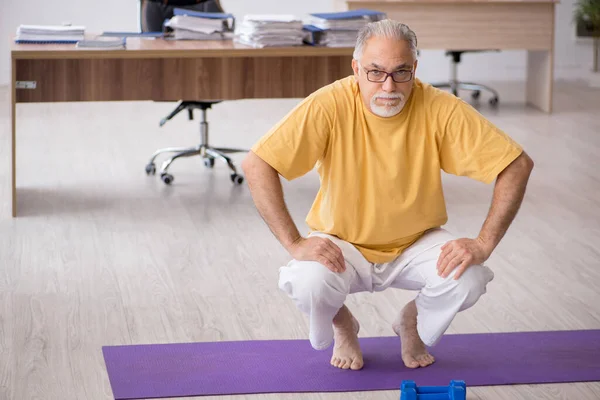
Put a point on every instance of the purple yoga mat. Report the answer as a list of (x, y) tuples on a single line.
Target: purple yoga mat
[(280, 366)]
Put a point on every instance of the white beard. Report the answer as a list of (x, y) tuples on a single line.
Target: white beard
[(387, 111)]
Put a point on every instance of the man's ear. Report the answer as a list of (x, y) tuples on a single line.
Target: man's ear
[(355, 68)]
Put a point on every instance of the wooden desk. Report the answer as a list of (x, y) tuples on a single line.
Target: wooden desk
[(482, 25), (168, 71)]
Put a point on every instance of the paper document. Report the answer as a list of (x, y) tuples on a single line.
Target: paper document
[(338, 29), (266, 30), (270, 18), (49, 34), (51, 29)]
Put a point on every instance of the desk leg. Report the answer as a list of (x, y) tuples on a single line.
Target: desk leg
[(540, 79), (13, 118)]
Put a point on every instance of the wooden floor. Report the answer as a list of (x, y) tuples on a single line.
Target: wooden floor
[(104, 255)]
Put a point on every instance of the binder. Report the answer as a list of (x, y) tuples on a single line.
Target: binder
[(345, 20), (312, 34), (228, 19), (202, 14), (316, 36), (352, 14)]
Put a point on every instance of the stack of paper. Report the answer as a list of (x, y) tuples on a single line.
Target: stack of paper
[(103, 43), (194, 25), (49, 34), (270, 30), (338, 29)]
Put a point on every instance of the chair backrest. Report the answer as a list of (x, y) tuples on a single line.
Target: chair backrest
[(212, 6)]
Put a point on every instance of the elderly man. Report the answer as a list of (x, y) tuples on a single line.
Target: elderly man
[(380, 139)]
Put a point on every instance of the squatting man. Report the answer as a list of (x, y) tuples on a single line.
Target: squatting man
[(379, 140)]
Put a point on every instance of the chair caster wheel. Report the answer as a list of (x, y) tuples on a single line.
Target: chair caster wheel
[(475, 95), (494, 101), (150, 169), (237, 179), (166, 178), (209, 162)]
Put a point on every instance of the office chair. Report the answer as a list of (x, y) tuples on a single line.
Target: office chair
[(454, 84), (204, 150)]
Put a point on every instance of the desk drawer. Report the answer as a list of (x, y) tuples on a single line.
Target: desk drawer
[(172, 79)]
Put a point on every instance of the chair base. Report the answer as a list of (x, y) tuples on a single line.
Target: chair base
[(204, 150), (209, 154), (476, 89)]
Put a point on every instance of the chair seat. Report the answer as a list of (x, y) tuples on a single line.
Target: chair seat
[(202, 104), (457, 53), (451, 52)]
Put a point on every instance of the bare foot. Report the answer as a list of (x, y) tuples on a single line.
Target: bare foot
[(414, 353), (346, 351)]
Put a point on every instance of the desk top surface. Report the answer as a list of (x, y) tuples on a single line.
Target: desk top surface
[(452, 1), (160, 48)]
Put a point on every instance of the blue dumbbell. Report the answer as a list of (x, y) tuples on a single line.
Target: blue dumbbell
[(457, 390)]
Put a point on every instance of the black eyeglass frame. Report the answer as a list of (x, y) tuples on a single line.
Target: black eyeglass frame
[(389, 74)]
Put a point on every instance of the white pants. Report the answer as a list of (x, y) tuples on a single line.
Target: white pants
[(320, 293)]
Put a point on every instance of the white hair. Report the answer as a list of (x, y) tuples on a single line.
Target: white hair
[(385, 28)]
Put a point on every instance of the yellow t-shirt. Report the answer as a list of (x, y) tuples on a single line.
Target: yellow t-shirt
[(381, 185)]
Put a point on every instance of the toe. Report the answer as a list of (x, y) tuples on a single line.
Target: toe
[(335, 361), (345, 364), (425, 360), (356, 364)]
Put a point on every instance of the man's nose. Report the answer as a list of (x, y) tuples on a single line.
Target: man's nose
[(388, 85)]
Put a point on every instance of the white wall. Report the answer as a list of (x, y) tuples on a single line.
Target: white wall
[(573, 58)]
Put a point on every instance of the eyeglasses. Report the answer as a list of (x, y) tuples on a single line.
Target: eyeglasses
[(401, 76)]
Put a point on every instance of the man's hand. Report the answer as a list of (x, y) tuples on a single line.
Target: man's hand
[(508, 195), (461, 253), (321, 250)]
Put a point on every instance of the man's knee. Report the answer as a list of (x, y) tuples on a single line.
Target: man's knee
[(472, 284), (308, 282)]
